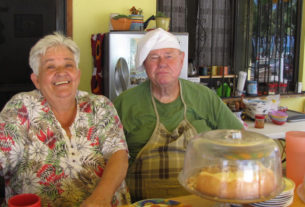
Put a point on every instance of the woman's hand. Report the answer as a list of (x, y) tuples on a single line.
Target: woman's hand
[(113, 176), (96, 201)]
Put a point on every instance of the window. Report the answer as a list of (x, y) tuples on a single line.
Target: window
[(273, 36), (260, 37)]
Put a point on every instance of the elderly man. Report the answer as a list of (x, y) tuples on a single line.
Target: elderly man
[(162, 114)]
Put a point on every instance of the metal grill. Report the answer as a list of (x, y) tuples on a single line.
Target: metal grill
[(273, 41), (260, 37)]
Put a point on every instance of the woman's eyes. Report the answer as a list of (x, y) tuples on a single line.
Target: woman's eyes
[(50, 66), (68, 65)]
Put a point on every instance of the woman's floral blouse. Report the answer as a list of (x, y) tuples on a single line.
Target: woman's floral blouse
[(36, 155)]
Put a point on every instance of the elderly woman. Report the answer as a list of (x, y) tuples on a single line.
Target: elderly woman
[(162, 114), (62, 144)]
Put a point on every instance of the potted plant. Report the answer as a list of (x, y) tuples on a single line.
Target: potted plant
[(121, 22), (162, 21)]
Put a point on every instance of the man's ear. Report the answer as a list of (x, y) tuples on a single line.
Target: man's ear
[(35, 81)]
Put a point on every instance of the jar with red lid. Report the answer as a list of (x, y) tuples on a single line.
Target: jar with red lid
[(259, 121)]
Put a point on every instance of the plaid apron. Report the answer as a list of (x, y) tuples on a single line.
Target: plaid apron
[(154, 173)]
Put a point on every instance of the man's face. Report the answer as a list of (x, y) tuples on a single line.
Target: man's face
[(58, 76), (163, 66)]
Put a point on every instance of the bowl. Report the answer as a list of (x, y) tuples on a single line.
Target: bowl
[(278, 117), (121, 24)]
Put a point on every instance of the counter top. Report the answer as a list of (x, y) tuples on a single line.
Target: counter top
[(277, 131)]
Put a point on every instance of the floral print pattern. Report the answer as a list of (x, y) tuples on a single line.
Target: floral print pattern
[(36, 155)]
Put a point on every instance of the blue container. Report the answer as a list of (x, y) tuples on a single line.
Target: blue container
[(252, 88), (137, 22)]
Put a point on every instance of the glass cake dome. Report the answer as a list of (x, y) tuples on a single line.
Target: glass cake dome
[(235, 166)]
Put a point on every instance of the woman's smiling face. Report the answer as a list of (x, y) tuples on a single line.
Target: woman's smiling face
[(58, 76)]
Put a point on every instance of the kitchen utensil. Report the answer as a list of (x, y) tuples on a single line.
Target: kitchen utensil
[(121, 76), (192, 70)]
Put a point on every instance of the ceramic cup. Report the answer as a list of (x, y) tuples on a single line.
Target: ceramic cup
[(24, 200)]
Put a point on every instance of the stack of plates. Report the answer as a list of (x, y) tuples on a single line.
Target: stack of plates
[(284, 199)]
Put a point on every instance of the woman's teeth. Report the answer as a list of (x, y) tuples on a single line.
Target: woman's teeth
[(61, 82)]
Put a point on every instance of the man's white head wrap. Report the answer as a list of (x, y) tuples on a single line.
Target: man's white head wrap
[(153, 40)]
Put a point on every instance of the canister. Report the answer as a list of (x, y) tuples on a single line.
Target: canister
[(214, 70), (205, 71), (252, 88), (223, 70)]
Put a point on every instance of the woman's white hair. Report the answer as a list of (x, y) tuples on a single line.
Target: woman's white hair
[(53, 40)]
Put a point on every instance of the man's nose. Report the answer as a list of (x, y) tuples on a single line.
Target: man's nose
[(162, 60)]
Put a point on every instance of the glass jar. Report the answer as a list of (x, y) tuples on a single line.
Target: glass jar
[(259, 121)]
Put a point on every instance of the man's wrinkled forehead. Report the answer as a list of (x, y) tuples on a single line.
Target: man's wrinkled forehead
[(164, 51)]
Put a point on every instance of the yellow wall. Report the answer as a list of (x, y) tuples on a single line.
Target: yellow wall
[(302, 50), (91, 17), (296, 104)]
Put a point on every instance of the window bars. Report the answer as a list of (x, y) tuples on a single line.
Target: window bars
[(260, 37)]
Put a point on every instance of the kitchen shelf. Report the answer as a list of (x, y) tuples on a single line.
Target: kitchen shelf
[(217, 76)]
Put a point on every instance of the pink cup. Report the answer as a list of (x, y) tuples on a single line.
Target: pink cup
[(295, 156), (24, 200)]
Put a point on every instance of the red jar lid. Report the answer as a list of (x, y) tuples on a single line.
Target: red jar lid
[(260, 116)]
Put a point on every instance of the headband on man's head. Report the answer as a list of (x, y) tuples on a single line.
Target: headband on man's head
[(153, 40)]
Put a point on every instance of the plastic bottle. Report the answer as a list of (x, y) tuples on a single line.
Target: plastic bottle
[(295, 156)]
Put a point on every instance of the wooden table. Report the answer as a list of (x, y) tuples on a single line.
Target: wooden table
[(196, 201)]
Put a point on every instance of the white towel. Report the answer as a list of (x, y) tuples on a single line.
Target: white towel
[(153, 40)]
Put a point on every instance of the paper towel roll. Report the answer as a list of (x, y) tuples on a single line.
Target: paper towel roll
[(241, 83)]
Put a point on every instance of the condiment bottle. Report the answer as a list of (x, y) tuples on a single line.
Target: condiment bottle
[(259, 121)]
